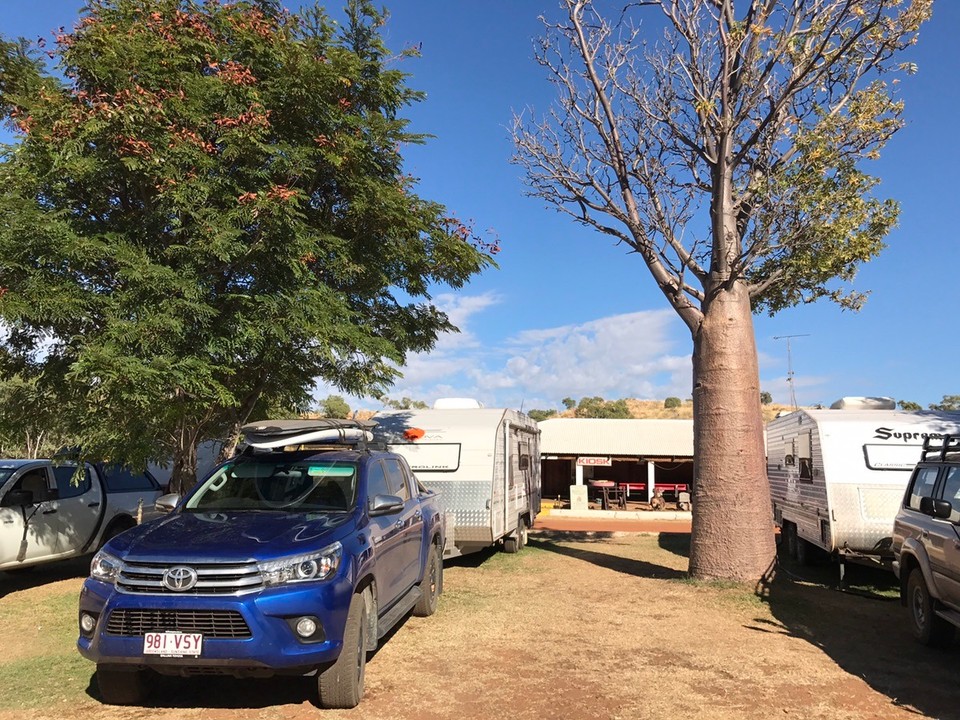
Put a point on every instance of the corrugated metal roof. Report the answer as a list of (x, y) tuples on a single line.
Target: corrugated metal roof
[(651, 438)]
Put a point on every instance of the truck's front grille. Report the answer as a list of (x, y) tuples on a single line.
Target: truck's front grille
[(227, 624), (212, 578)]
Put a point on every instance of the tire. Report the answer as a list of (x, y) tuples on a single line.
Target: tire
[(791, 547), (514, 543), (115, 529), (121, 687), (928, 627), (431, 585), (340, 685)]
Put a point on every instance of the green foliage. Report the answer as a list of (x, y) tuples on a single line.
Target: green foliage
[(949, 403), (569, 403), (206, 211), (405, 403), (765, 397), (538, 415), (672, 402), (597, 407), (908, 405), (334, 406)]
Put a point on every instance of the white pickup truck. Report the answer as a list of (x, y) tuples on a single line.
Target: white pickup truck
[(48, 514)]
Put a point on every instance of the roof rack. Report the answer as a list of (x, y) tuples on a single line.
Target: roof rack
[(946, 445), (319, 434)]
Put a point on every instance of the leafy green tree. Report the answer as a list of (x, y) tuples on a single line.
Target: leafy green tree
[(538, 415), (569, 403), (765, 397), (672, 402), (334, 406), (405, 403), (597, 407), (205, 209), (908, 405), (949, 403), (729, 157)]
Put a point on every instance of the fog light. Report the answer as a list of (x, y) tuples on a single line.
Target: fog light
[(306, 627), (87, 623)]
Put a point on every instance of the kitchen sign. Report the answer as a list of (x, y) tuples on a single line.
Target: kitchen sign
[(594, 461)]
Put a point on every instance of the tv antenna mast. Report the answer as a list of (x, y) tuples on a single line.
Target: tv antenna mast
[(793, 392)]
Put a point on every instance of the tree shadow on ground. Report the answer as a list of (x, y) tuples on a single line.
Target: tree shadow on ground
[(865, 632), (630, 566), (37, 575), (676, 543)]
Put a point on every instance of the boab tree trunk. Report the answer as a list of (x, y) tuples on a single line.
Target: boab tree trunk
[(733, 535)]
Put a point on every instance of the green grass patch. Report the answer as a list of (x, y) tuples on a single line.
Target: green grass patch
[(44, 681)]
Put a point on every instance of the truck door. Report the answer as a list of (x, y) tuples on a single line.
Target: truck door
[(944, 533), (387, 540), (411, 518), (80, 504), (29, 532)]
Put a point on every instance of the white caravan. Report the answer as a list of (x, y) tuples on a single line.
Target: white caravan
[(484, 462), (837, 476)]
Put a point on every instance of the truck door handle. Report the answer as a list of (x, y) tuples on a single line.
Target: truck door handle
[(50, 512), (94, 504)]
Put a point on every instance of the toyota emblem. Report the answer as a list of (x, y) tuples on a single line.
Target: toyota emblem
[(180, 578)]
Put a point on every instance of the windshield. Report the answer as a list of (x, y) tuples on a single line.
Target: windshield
[(268, 484)]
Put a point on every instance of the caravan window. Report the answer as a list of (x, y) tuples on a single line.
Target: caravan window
[(805, 456), (922, 486)]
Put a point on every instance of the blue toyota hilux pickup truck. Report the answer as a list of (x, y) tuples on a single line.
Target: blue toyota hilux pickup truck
[(295, 557)]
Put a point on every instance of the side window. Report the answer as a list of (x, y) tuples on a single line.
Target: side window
[(805, 456), (121, 479), (396, 480), (922, 486), (69, 484), (376, 482), (951, 492), (36, 482)]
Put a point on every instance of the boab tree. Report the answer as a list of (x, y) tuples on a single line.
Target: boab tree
[(727, 152), (204, 210)]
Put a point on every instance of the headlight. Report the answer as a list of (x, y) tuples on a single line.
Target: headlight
[(300, 568), (105, 567)]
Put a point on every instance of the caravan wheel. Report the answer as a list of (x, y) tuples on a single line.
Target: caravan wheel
[(514, 542), (790, 530)]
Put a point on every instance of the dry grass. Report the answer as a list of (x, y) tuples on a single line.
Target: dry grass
[(575, 626)]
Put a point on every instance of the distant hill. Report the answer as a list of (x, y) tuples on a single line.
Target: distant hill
[(640, 409), (654, 410)]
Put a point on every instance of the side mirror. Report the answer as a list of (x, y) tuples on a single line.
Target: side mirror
[(936, 508), (385, 505), (166, 503), (16, 498)]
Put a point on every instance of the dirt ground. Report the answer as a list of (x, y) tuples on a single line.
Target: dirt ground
[(577, 625)]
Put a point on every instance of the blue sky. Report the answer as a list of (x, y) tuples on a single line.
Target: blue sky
[(570, 314)]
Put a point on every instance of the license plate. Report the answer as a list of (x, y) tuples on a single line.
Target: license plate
[(172, 644)]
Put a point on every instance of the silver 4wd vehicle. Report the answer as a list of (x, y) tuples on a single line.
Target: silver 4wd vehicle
[(50, 512), (926, 542)]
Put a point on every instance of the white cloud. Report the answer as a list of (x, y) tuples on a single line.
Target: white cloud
[(642, 354)]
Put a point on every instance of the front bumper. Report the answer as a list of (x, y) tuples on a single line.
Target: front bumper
[(271, 646)]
